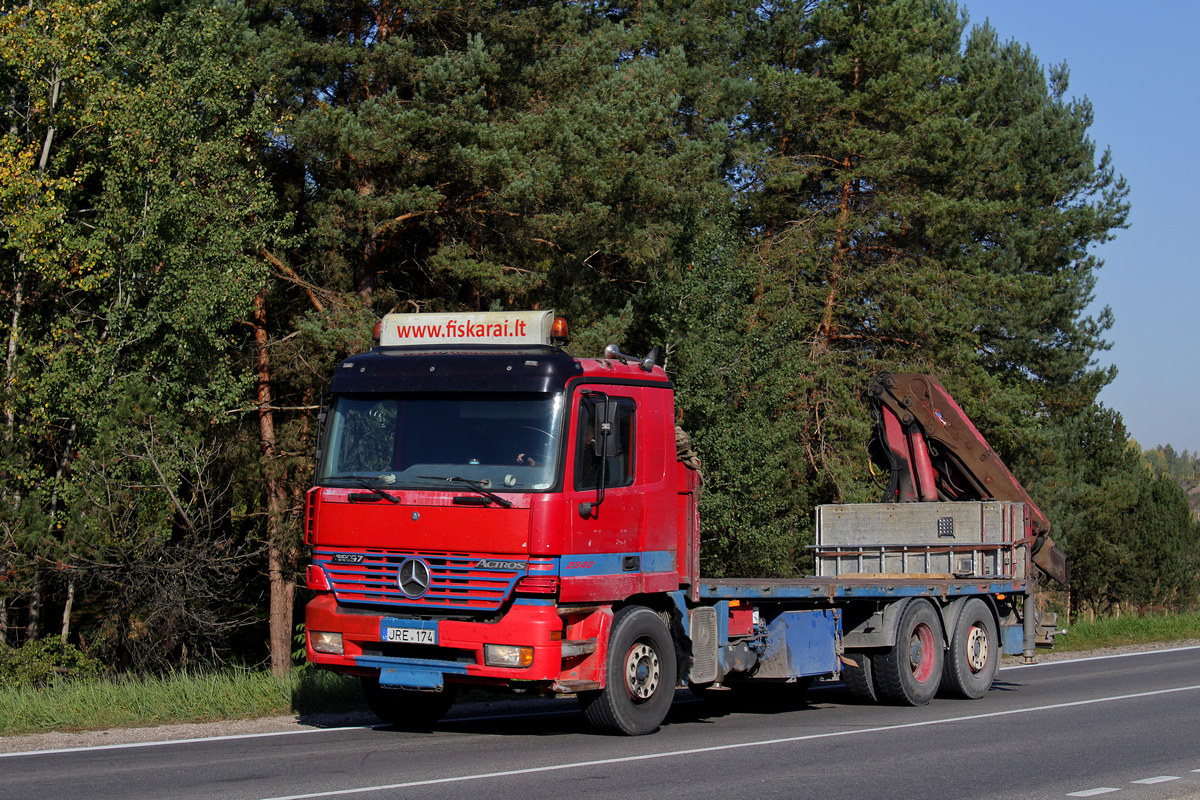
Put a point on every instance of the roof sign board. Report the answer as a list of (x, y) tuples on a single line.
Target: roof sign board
[(483, 327)]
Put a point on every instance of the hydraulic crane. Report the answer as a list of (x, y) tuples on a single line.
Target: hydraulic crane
[(935, 453)]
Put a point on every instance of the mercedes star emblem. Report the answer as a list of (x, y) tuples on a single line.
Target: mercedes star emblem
[(413, 578)]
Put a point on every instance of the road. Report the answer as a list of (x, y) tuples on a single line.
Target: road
[(1122, 727)]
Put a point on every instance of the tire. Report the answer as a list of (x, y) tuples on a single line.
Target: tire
[(405, 708), (974, 654), (910, 671), (641, 668), (860, 678)]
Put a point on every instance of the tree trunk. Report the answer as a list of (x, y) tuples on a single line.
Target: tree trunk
[(66, 617), (841, 248), (10, 358), (34, 629), (281, 551), (280, 564)]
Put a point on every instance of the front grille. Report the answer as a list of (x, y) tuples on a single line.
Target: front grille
[(455, 582)]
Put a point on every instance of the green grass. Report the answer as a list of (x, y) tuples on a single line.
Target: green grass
[(1118, 631), (131, 702)]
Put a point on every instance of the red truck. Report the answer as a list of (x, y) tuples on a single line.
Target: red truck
[(491, 511)]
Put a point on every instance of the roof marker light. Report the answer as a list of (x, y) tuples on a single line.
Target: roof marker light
[(558, 331)]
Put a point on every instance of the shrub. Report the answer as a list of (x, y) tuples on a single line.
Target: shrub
[(46, 661)]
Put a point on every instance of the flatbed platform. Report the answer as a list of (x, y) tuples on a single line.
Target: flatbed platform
[(847, 588)]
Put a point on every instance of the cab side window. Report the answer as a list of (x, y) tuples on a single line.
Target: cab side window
[(618, 470)]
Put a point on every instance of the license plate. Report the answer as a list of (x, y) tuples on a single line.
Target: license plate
[(412, 635)]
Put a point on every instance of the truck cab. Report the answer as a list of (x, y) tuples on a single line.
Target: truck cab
[(483, 504)]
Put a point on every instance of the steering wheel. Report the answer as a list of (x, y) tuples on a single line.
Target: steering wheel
[(545, 447)]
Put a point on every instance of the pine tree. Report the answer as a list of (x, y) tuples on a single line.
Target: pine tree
[(913, 205)]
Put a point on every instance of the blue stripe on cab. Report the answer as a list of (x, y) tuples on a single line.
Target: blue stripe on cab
[(616, 563)]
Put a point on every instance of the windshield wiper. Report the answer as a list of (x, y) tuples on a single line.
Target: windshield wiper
[(375, 490), (478, 487)]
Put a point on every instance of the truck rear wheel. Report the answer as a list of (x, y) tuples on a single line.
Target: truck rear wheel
[(406, 708), (641, 676), (910, 671), (974, 657)]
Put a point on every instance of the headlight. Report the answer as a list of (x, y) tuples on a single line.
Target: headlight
[(325, 642), (507, 655)]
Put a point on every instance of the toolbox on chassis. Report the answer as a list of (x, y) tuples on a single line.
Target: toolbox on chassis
[(492, 511)]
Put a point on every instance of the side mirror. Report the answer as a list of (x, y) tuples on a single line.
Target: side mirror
[(605, 445), (608, 434)]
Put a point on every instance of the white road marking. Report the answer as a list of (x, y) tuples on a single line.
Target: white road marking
[(234, 736), (99, 747), (720, 748), (1093, 792), (1159, 779), (1102, 658)]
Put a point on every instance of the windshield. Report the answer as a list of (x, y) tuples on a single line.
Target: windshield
[(499, 441)]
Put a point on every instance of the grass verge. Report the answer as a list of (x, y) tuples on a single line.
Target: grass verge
[(131, 702), (1119, 631)]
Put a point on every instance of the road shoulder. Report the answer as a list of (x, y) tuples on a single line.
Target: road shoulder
[(63, 740)]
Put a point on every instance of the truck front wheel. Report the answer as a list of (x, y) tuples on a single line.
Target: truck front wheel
[(641, 675), (974, 656), (910, 671), (405, 708)]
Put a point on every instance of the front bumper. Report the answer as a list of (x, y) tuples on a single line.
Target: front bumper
[(457, 656)]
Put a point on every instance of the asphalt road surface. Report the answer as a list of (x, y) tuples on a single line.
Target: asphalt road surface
[(1124, 727)]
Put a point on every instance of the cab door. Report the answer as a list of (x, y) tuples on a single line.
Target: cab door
[(605, 502)]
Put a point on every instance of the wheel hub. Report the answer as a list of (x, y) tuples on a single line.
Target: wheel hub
[(920, 650), (643, 672), (977, 648)]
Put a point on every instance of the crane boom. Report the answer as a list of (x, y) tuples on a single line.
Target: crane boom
[(935, 452)]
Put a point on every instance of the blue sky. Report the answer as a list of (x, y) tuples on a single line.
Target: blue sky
[(1140, 66)]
